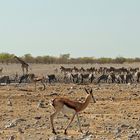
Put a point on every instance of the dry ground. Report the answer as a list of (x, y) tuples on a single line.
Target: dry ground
[(115, 115)]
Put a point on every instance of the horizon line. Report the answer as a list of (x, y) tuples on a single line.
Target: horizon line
[(119, 56)]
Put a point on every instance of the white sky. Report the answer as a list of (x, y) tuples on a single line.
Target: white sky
[(99, 28)]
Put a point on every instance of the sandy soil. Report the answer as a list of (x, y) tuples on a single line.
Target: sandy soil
[(115, 115)]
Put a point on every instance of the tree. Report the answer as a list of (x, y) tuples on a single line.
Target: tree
[(120, 60), (28, 58), (6, 57), (64, 58)]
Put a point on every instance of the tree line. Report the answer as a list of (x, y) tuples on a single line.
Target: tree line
[(64, 59)]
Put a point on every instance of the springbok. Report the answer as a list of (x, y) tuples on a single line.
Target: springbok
[(32, 78), (66, 105)]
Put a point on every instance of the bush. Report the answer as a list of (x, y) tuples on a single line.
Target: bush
[(64, 59)]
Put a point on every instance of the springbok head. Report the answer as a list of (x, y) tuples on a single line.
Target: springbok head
[(90, 91)]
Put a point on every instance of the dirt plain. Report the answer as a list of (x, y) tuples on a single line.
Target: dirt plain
[(115, 115)]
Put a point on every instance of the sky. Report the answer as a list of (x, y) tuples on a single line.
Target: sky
[(82, 28)]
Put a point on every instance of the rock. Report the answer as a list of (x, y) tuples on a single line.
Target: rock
[(108, 128), (20, 130), (60, 138), (131, 136), (14, 123), (70, 92), (28, 93), (134, 131), (129, 84), (27, 126), (40, 104), (36, 122), (53, 94), (124, 126), (38, 117), (9, 103), (134, 135), (86, 125), (87, 136), (12, 138), (112, 98), (10, 125), (118, 139), (117, 132), (131, 127)]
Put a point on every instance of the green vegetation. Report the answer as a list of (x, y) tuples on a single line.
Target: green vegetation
[(6, 57), (64, 59)]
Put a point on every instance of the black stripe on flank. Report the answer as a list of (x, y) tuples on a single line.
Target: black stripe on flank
[(69, 105)]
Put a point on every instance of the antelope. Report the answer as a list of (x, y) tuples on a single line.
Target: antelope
[(32, 78), (66, 105)]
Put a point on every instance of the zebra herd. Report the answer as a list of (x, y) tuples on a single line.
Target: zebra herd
[(101, 75), (79, 76)]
